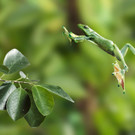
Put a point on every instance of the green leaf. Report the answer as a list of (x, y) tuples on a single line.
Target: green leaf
[(4, 69), (22, 75), (18, 104), (15, 61), (5, 90), (43, 100), (57, 91), (33, 117)]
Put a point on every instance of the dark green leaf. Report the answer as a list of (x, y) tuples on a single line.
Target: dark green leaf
[(33, 117), (4, 69), (18, 104), (15, 61), (5, 90), (57, 91), (43, 100)]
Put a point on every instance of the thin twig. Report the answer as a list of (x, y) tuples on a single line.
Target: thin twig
[(15, 81)]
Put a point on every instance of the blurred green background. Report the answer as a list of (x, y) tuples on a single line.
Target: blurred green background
[(34, 27)]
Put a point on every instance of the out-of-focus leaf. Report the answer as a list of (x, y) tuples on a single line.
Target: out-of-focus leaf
[(91, 11), (120, 109), (5, 90), (57, 91), (4, 69), (43, 100), (103, 123), (130, 87), (22, 15), (15, 61), (18, 104), (88, 65), (33, 117)]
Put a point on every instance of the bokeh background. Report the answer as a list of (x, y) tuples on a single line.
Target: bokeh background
[(83, 70)]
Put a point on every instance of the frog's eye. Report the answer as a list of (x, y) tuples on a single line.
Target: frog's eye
[(85, 27)]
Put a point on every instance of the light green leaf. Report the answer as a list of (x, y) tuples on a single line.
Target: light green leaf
[(22, 74), (43, 100), (33, 117), (18, 104), (5, 90), (4, 69), (57, 91), (15, 61)]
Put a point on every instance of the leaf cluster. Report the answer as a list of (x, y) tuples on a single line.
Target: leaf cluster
[(35, 101)]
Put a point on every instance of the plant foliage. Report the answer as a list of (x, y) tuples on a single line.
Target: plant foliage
[(33, 102)]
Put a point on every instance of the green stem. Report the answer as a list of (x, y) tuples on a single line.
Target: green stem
[(15, 81)]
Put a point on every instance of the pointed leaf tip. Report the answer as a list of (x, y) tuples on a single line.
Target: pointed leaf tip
[(57, 91)]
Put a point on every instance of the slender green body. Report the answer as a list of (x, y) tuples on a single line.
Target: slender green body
[(106, 45)]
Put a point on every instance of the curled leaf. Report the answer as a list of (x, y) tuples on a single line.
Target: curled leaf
[(5, 90)]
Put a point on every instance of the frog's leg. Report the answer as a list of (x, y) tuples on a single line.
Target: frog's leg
[(125, 49), (120, 73), (124, 52), (66, 33), (78, 38), (73, 37)]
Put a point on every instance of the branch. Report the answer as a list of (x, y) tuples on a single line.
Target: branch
[(15, 81)]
